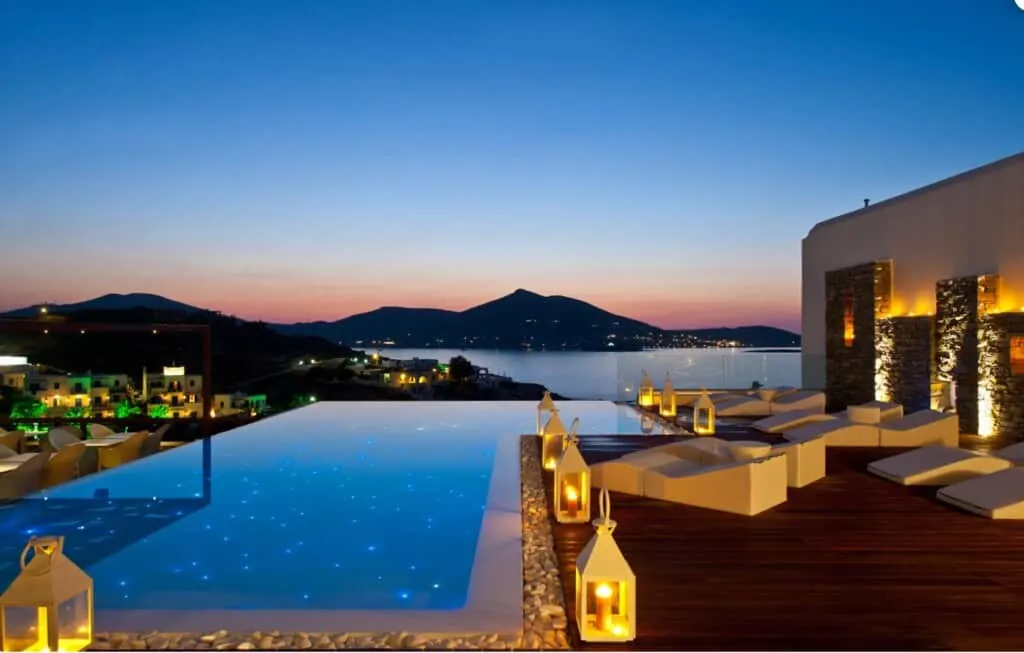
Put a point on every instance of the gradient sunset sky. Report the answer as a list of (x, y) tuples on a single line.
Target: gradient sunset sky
[(303, 160)]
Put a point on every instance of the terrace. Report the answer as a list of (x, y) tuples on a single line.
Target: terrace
[(851, 562)]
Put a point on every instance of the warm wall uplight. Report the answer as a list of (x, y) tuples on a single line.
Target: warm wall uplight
[(1016, 354), (848, 328)]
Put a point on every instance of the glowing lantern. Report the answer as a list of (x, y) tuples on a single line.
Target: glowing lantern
[(552, 440), (645, 396), (704, 415), (546, 405), (572, 482), (605, 585), (668, 399), (48, 607)]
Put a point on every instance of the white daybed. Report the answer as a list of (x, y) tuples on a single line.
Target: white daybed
[(996, 496), (936, 465)]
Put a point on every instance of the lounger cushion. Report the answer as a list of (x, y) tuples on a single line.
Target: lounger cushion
[(936, 465), (864, 414), (781, 422), (1014, 453), (837, 433), (996, 496)]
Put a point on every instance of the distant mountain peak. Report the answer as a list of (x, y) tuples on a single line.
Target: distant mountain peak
[(523, 292)]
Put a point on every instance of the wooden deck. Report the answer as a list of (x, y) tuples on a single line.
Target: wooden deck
[(852, 562)]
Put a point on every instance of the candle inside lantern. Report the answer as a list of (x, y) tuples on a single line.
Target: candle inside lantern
[(603, 608), (549, 464), (572, 500)]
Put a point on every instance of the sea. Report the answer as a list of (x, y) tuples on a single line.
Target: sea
[(615, 376)]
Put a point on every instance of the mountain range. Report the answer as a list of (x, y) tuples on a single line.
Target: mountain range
[(520, 320)]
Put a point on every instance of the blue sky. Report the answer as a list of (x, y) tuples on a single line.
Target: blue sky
[(312, 159)]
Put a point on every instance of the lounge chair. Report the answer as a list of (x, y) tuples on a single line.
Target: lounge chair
[(781, 422), (886, 410), (63, 465), (1014, 453), (996, 496), (836, 432), (57, 438), (805, 459), (746, 487), (742, 406), (99, 430), (24, 479), (699, 472), (14, 440), (151, 444), (121, 453), (623, 474), (798, 400), (937, 465), (920, 429)]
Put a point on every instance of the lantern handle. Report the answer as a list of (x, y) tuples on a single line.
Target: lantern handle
[(24, 552), (574, 428), (605, 505)]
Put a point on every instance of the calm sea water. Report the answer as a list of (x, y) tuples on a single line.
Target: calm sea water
[(615, 375)]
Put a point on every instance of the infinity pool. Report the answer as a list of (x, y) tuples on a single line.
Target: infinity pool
[(378, 507)]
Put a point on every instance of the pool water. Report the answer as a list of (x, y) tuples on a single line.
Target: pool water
[(336, 506)]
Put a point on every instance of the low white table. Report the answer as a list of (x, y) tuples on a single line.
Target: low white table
[(749, 449)]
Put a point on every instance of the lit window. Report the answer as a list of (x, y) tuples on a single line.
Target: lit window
[(848, 332)]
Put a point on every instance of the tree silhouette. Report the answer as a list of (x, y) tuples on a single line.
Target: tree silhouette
[(460, 369)]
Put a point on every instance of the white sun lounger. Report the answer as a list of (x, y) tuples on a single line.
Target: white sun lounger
[(742, 406), (782, 422), (920, 429), (996, 496), (886, 410), (799, 400), (1014, 453), (623, 474), (937, 465), (805, 460), (744, 487), (837, 433), (700, 472)]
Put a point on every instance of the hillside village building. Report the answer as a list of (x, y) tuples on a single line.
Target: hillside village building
[(919, 299)]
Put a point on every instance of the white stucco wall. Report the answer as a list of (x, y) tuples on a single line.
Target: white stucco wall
[(969, 224)]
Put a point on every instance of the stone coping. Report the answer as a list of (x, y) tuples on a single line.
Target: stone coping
[(544, 616)]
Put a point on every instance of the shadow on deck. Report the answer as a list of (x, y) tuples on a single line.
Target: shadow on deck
[(851, 562)]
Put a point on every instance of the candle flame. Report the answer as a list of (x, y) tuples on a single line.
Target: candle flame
[(603, 591), (618, 630), (571, 494), (549, 463)]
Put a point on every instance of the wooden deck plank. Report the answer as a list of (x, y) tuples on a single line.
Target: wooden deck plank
[(852, 562)]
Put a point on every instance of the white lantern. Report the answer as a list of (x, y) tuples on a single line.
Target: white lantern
[(605, 585), (552, 436), (546, 405), (49, 606), (645, 396), (572, 483), (704, 415), (668, 399)]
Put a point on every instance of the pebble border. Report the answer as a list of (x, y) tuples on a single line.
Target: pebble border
[(544, 619)]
